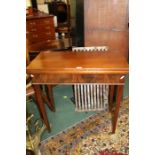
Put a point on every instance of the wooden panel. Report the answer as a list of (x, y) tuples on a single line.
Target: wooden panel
[(79, 62), (77, 78), (106, 23), (39, 45), (106, 14), (40, 21), (42, 36), (115, 40), (45, 21), (31, 23), (46, 28), (40, 28)]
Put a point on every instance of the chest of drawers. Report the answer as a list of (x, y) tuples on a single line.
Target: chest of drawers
[(40, 31)]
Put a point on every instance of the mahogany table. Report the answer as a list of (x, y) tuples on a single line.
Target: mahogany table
[(108, 68)]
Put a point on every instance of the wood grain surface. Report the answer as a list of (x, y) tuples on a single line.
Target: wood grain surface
[(78, 63)]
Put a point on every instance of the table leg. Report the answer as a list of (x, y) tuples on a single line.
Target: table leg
[(41, 105), (117, 107), (50, 97), (111, 97)]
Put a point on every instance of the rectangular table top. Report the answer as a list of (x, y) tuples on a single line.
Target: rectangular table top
[(51, 62)]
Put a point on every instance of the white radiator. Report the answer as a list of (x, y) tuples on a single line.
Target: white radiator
[(91, 97)]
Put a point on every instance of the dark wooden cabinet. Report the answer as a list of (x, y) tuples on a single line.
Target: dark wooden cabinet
[(40, 31)]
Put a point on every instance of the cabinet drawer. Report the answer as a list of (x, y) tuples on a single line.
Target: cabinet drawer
[(31, 24), (42, 45), (77, 78), (47, 35), (45, 28), (32, 29), (35, 37), (45, 21), (39, 22), (42, 28)]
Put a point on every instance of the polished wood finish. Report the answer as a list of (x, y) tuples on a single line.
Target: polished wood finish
[(41, 105), (50, 97), (66, 79), (111, 97), (118, 103), (78, 67), (78, 63), (40, 30), (106, 23)]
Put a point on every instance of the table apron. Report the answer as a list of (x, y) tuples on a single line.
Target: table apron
[(65, 79)]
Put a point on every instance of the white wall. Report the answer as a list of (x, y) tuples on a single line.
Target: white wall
[(28, 3), (40, 1), (43, 8)]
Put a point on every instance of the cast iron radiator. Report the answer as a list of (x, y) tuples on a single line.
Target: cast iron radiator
[(91, 97)]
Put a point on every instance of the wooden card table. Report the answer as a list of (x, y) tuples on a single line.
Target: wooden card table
[(108, 68)]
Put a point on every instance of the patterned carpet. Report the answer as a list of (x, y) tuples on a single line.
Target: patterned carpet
[(92, 136)]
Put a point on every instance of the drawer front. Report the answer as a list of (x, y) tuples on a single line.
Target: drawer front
[(45, 28), (35, 36), (46, 21), (100, 78), (42, 45), (32, 29), (31, 24), (39, 25), (77, 78), (39, 22)]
